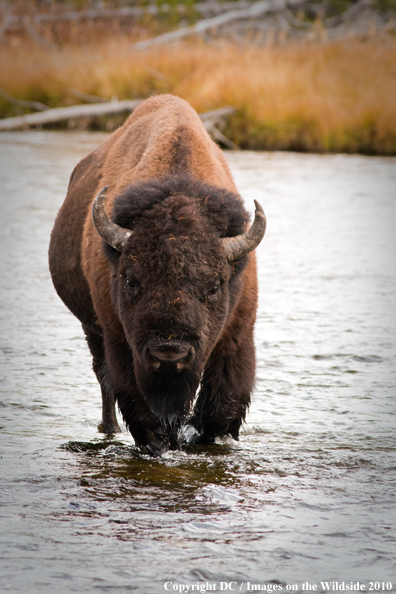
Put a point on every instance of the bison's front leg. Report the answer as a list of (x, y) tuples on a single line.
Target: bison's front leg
[(109, 422), (226, 387), (146, 429)]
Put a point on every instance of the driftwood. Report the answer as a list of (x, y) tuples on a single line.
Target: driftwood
[(213, 116), (217, 135), (60, 114), (210, 119), (253, 11), (229, 19)]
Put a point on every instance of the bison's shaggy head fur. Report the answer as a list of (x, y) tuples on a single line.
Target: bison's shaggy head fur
[(172, 286)]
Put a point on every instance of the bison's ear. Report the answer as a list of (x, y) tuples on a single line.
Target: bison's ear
[(112, 233), (241, 245)]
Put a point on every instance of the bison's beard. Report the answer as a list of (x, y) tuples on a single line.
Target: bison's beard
[(170, 397)]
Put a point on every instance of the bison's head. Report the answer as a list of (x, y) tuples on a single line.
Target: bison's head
[(177, 249)]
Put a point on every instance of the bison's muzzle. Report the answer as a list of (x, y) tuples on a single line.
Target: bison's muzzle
[(169, 357)]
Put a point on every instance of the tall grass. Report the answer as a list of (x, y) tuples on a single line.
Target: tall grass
[(337, 96)]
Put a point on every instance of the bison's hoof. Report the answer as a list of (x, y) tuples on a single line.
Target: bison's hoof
[(109, 429), (157, 447)]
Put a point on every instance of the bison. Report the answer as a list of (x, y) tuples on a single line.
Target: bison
[(151, 252)]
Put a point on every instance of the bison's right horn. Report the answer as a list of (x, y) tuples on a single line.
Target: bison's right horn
[(112, 233), (241, 245)]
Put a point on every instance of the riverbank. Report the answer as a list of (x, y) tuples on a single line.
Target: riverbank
[(318, 97)]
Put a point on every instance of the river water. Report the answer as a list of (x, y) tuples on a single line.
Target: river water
[(306, 496)]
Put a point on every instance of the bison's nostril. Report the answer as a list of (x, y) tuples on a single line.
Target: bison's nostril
[(169, 359), (168, 355)]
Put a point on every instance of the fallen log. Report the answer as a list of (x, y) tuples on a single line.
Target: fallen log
[(60, 114), (219, 136), (257, 9), (213, 116)]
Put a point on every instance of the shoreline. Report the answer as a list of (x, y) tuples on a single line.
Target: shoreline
[(323, 97)]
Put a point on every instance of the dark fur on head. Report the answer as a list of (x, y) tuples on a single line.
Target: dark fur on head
[(224, 209)]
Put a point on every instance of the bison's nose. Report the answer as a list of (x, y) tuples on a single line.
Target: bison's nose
[(169, 359)]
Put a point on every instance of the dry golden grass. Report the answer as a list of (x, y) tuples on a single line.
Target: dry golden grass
[(315, 97)]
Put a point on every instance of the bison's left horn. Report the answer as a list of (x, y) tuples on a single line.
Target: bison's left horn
[(112, 233), (236, 247)]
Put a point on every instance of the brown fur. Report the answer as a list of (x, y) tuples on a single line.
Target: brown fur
[(171, 184)]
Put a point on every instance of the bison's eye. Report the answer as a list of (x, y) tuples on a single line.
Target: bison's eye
[(132, 287), (211, 294)]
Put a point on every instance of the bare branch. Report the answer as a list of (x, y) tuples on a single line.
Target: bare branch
[(21, 103), (35, 36), (350, 13), (215, 115), (223, 139), (253, 11), (87, 97), (294, 21)]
